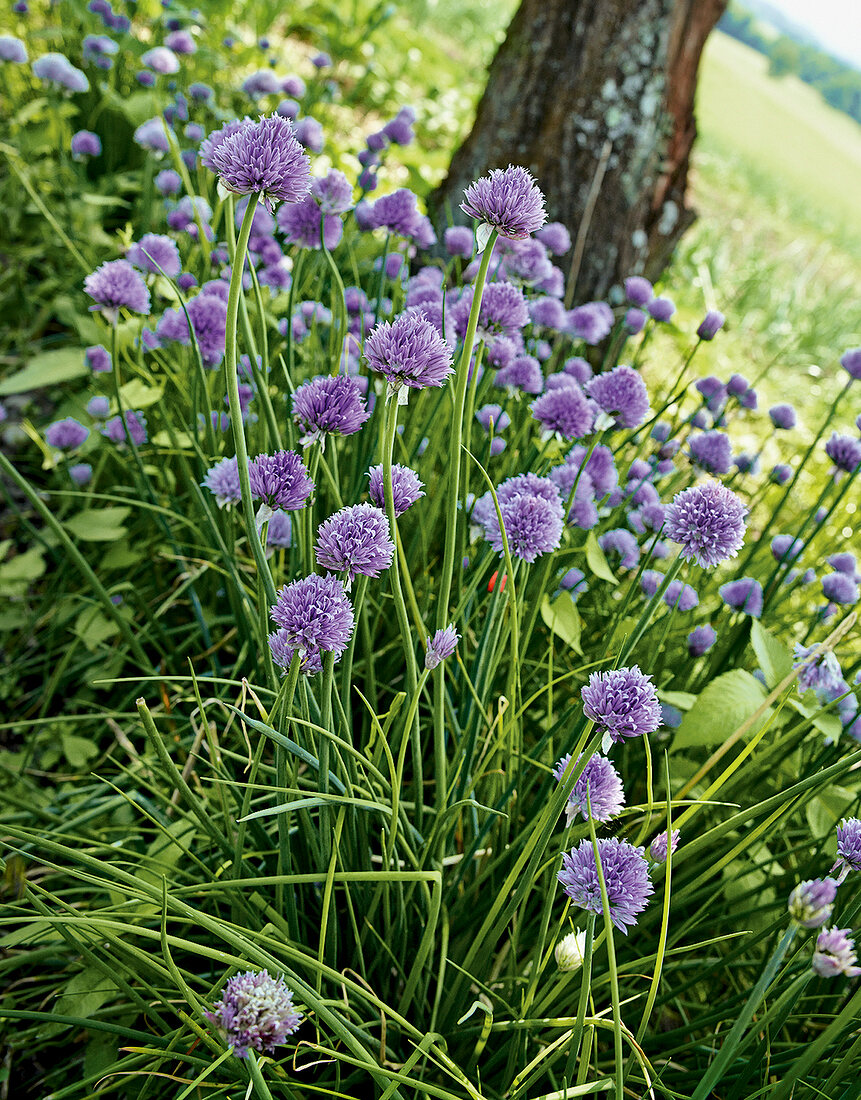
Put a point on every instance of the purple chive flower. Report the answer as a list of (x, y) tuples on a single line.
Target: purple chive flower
[(590, 322), (279, 532), (255, 1011), (635, 320), (743, 594), (328, 405), (355, 541), (135, 426), (263, 82), (459, 241), (524, 374), (555, 238), (263, 158), (711, 451), (680, 596), (851, 362), (321, 61), (780, 474), (533, 524), (301, 223), (157, 254), (54, 68), (599, 786), (98, 407), (208, 314), (508, 200), (399, 129), (168, 182), (621, 542), (786, 548), (98, 359), (708, 521), (746, 463), (333, 192), (738, 385), (441, 646), (783, 417), (626, 876), (622, 703), (406, 487), (658, 847), (115, 286), (547, 312), (280, 480), (314, 617), (214, 140), (66, 434), (409, 353), (638, 291), (81, 473), (843, 562), (811, 902), (840, 588), (621, 393), (578, 368), (835, 954), (844, 452), (711, 325), (493, 415), (848, 846), (701, 639), (161, 59), (151, 135), (180, 42), (12, 49), (574, 582), (661, 309), (309, 134), (222, 480), (85, 144), (565, 411), (712, 391)]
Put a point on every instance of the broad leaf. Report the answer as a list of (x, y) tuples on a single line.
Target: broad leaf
[(727, 702)]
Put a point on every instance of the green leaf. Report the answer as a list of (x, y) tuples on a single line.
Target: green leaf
[(138, 395), (83, 996), (684, 700), (774, 658), (726, 703), (46, 369), (825, 810), (78, 751), (563, 619), (98, 524), (93, 628), (19, 572), (597, 561)]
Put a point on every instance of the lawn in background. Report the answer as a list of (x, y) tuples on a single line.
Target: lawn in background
[(775, 183)]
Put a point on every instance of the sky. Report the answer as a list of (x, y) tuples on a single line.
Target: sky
[(836, 23)]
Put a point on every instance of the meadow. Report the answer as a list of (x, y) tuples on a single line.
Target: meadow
[(411, 687)]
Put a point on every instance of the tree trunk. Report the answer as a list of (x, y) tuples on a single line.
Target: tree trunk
[(575, 79)]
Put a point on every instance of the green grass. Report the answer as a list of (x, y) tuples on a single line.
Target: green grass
[(783, 129), (774, 181)]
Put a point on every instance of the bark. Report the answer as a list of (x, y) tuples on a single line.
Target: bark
[(573, 79)]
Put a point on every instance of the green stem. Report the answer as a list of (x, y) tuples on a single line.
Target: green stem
[(456, 438), (725, 1055), (261, 1089), (611, 961), (400, 603), (232, 380)]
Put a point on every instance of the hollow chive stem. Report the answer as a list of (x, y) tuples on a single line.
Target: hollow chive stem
[(232, 380)]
